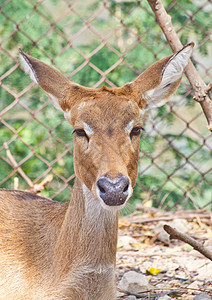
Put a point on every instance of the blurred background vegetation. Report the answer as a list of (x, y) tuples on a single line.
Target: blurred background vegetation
[(97, 43)]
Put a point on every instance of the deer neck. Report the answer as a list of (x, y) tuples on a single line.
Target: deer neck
[(88, 235)]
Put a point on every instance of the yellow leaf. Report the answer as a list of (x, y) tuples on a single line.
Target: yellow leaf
[(123, 223), (153, 271)]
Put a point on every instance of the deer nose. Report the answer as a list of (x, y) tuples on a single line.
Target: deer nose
[(113, 191)]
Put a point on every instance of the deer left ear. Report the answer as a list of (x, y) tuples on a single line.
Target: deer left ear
[(155, 85), (62, 92)]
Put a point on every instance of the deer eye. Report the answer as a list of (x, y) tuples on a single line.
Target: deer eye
[(81, 132), (136, 131)]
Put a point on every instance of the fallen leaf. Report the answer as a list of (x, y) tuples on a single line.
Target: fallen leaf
[(124, 223), (153, 271)]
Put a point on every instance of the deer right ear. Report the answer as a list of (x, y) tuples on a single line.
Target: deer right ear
[(57, 86), (155, 85), (170, 77)]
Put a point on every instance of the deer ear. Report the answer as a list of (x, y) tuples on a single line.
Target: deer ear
[(170, 78), (57, 86), (154, 86)]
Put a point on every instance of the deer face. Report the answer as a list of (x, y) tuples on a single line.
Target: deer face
[(107, 133), (107, 121)]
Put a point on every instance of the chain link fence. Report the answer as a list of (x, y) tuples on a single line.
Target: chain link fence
[(97, 43)]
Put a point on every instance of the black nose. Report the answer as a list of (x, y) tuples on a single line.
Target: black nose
[(113, 191)]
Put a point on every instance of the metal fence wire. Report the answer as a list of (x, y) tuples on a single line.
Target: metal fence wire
[(97, 43)]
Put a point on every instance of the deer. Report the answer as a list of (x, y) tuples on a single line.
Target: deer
[(51, 250)]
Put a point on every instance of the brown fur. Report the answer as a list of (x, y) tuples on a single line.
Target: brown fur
[(51, 250)]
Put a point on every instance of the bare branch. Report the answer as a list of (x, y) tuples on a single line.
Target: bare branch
[(37, 188), (189, 240), (15, 166), (208, 90), (170, 290), (34, 188), (16, 183), (201, 90), (169, 217)]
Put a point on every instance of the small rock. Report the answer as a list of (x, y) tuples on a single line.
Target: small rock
[(194, 285), (133, 282), (202, 296), (126, 242), (179, 224), (162, 235), (205, 272), (131, 297), (166, 297)]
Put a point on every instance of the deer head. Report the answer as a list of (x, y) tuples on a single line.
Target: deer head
[(107, 121)]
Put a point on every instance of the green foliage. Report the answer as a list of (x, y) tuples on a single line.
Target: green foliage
[(173, 173), (39, 129)]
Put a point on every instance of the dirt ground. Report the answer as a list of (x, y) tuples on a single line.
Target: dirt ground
[(173, 269)]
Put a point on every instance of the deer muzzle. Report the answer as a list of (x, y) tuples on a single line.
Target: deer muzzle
[(113, 191)]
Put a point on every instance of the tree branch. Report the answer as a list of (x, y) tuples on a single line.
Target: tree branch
[(201, 90), (34, 188), (189, 240), (37, 188), (16, 167)]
